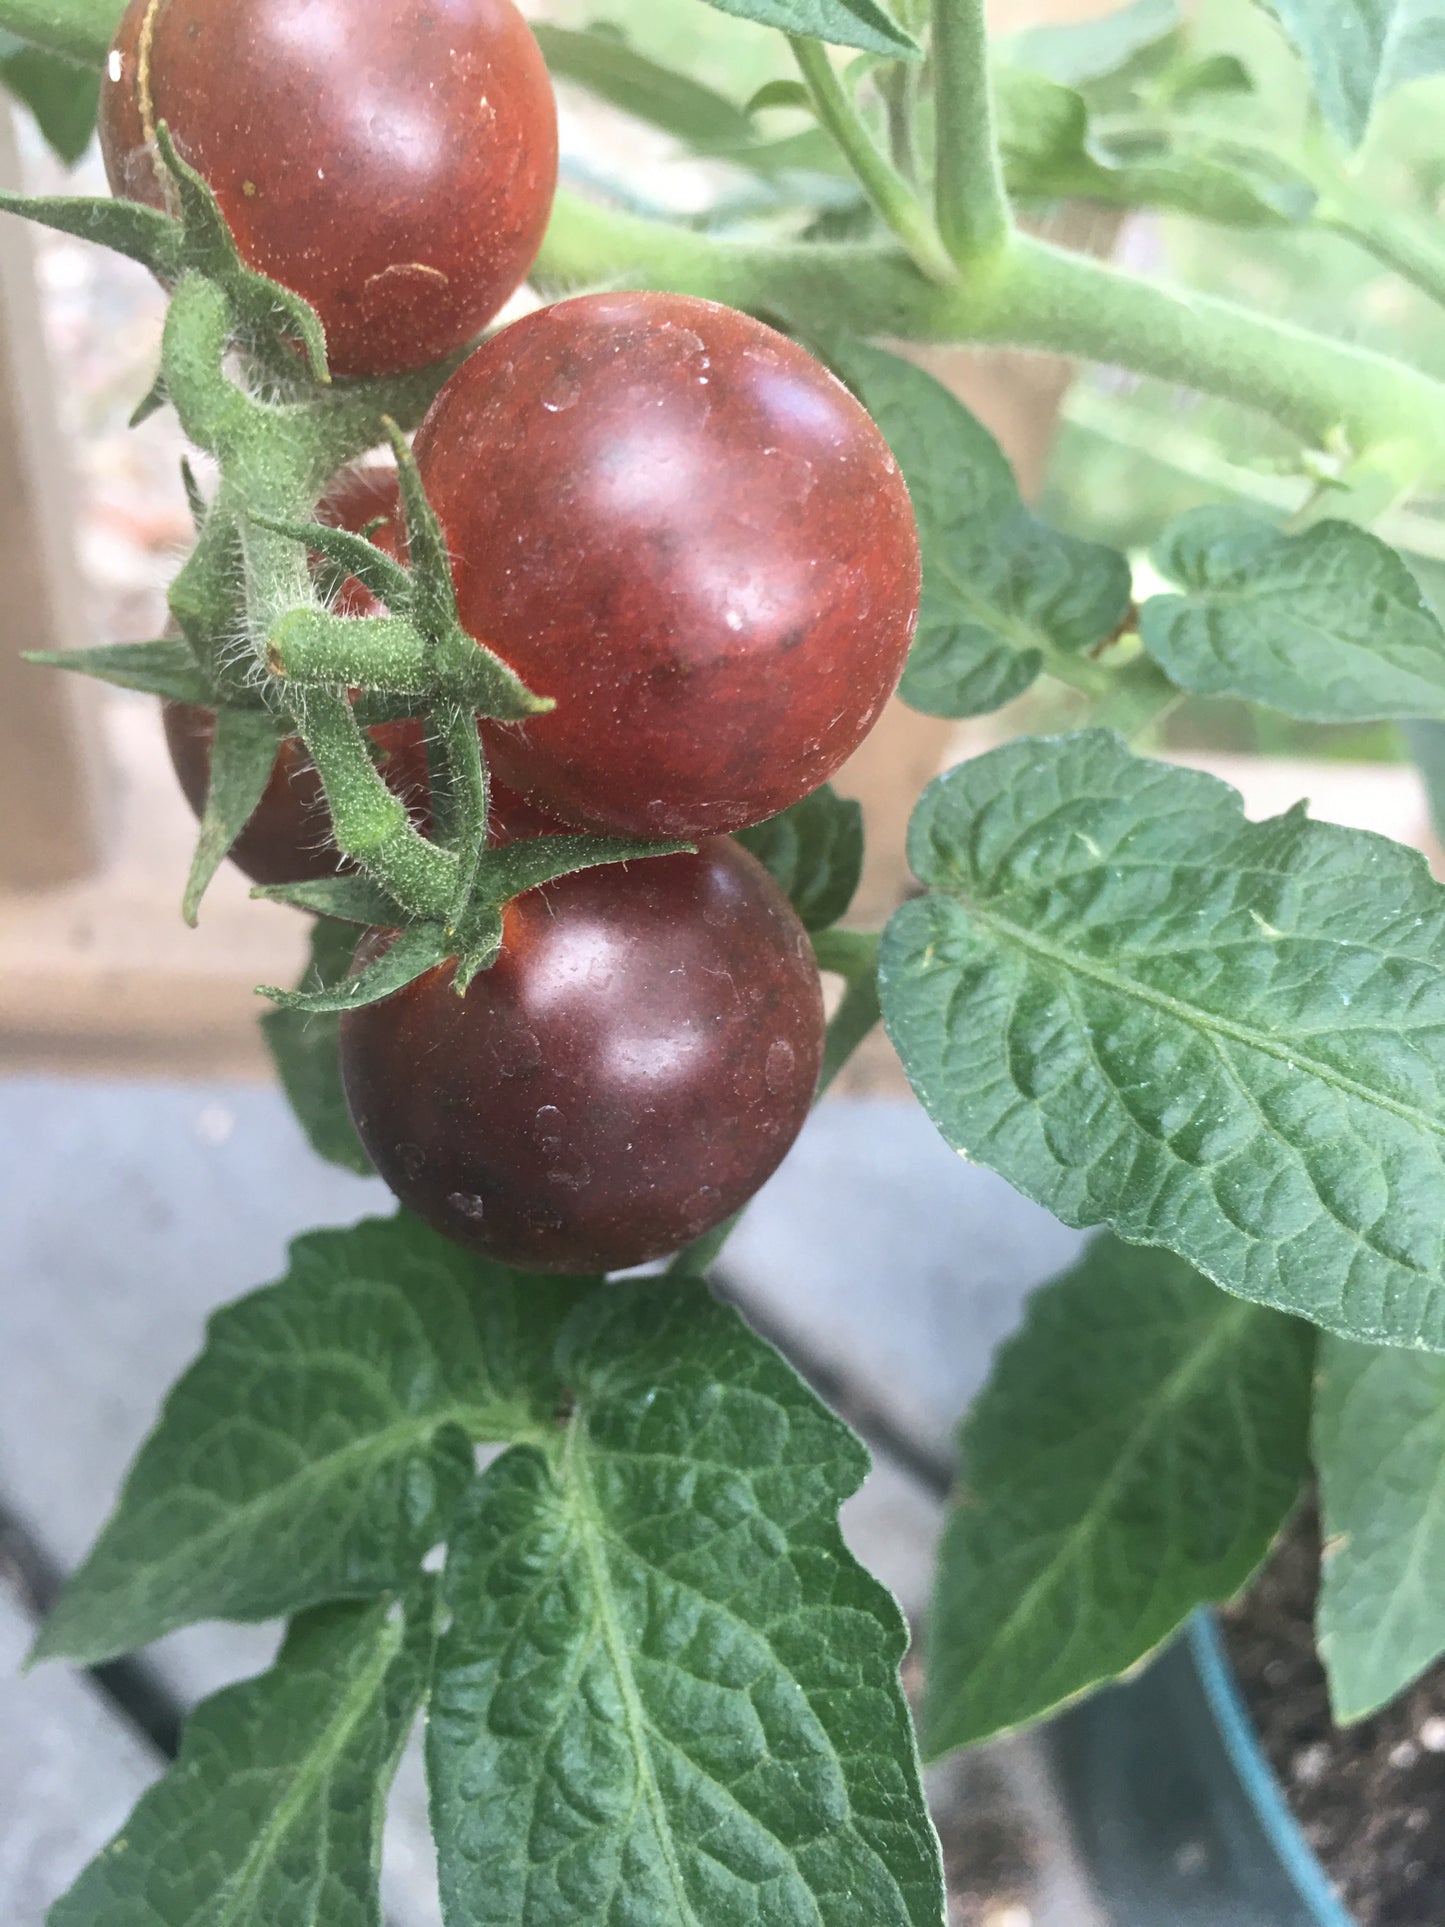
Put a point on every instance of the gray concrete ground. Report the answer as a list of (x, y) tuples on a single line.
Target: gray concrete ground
[(886, 1267)]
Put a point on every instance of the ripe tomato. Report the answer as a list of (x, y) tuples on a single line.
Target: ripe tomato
[(288, 838), (393, 161), (634, 1065), (683, 528)]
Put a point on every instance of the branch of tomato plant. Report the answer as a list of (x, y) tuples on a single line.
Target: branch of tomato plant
[(853, 956), (1402, 241), (972, 206), (1035, 296), (898, 85), (274, 461), (885, 187)]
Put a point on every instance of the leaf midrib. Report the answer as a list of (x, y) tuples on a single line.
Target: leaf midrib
[(1207, 1022), (1170, 1392), (1207, 603), (590, 1532), (242, 1517), (315, 1768)]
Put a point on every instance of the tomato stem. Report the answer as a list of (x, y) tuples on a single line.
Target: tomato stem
[(885, 187), (973, 210), (1034, 296)]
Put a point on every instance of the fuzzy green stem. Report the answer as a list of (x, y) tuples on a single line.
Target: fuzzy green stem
[(885, 187), (79, 29), (898, 85), (1037, 296), (371, 825), (314, 649), (973, 210), (212, 410), (853, 954)]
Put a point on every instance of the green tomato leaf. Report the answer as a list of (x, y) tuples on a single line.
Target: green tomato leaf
[(320, 1442), (1001, 590), (815, 851), (1223, 1037), (609, 67), (842, 23), (305, 1049), (1359, 51), (166, 667), (272, 1814), (1185, 80), (668, 1694), (1328, 625), (1137, 1448), (62, 96), (1049, 153), (243, 755), (1080, 51), (1380, 1448)]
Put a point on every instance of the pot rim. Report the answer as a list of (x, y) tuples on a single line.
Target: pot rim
[(1257, 1776)]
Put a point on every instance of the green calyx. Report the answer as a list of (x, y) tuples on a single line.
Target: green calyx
[(422, 647), (473, 940)]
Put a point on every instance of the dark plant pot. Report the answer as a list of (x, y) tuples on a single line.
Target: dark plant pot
[(1176, 1811)]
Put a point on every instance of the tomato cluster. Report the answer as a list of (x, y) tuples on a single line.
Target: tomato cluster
[(661, 513)]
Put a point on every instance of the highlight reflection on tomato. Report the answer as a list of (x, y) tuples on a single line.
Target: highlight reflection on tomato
[(679, 525), (634, 1065)]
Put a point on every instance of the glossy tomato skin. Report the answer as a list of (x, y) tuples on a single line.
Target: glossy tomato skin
[(682, 527), (288, 838), (393, 161), (635, 1064)]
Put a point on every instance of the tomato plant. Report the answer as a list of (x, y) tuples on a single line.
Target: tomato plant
[(393, 164), (656, 557), (686, 530), (632, 1067)]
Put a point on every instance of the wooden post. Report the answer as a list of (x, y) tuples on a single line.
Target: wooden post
[(51, 747)]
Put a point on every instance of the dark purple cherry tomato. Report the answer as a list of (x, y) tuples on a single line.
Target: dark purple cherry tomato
[(682, 527), (393, 161), (634, 1065)]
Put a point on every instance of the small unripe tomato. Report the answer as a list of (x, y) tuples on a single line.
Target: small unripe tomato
[(633, 1066), (683, 528), (393, 161)]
